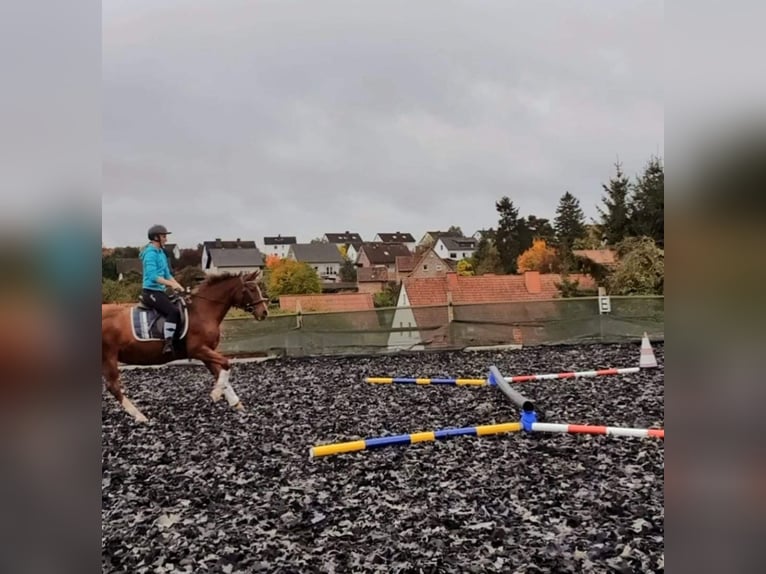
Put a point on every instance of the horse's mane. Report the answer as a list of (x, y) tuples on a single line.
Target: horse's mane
[(216, 278)]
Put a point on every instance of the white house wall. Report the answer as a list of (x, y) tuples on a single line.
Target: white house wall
[(403, 318), (444, 253), (278, 250)]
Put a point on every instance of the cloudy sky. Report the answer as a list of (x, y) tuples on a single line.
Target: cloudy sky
[(244, 118)]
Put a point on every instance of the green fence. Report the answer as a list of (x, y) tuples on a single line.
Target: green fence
[(527, 323)]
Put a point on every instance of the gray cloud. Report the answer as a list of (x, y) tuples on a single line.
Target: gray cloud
[(244, 119)]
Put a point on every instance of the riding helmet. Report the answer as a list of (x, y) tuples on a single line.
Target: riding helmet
[(155, 231)]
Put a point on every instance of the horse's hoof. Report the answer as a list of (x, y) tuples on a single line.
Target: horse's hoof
[(216, 395), (239, 407), (141, 418)]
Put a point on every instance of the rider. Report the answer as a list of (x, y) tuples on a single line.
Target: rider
[(156, 277)]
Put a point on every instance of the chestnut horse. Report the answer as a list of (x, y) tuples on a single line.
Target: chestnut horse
[(126, 335)]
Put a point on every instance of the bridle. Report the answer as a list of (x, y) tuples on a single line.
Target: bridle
[(250, 305)]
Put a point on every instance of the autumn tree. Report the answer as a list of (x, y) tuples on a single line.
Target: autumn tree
[(540, 257), (289, 277), (464, 267), (614, 223), (272, 260)]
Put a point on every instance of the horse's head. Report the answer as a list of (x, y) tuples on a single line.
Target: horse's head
[(251, 298)]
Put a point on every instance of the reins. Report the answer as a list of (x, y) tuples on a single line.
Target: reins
[(247, 307)]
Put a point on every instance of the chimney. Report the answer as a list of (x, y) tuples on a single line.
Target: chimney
[(238, 242), (451, 280), (532, 282)]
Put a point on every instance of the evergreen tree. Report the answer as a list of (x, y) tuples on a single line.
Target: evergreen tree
[(508, 240), (647, 208), (569, 225), (614, 216), (540, 228), (486, 258)]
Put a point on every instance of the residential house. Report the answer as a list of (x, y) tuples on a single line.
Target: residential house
[(483, 304), (381, 255), (352, 251), (231, 256), (398, 237), (427, 264), (278, 245), (372, 279), (324, 258), (430, 238), (345, 238), (450, 247)]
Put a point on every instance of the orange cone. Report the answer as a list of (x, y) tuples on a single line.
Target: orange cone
[(648, 360)]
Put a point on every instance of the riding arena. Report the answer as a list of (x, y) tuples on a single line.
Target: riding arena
[(433, 461)]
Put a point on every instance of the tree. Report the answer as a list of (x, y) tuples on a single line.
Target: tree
[(348, 271), (288, 277), (539, 257), (508, 235), (486, 259), (614, 216), (591, 240), (569, 225), (388, 297), (464, 267), (272, 260), (647, 206), (455, 229), (109, 267), (189, 258), (540, 228), (641, 268)]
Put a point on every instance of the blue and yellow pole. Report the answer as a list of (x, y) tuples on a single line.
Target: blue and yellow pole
[(412, 438)]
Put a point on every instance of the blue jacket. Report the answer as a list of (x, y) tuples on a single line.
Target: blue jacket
[(155, 265)]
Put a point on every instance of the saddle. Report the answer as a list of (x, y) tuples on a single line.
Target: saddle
[(148, 323)]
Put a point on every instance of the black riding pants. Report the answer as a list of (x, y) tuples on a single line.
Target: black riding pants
[(160, 301)]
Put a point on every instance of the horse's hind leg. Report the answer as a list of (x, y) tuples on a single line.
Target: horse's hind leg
[(111, 373)]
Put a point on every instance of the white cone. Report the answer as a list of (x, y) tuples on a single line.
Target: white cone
[(648, 360)]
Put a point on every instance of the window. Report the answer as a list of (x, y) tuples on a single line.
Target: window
[(453, 255), (438, 267), (425, 267)]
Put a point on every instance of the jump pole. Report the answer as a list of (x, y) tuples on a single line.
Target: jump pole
[(409, 439), (482, 430), (467, 382)]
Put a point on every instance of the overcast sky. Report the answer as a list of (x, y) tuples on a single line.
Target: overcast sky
[(244, 118)]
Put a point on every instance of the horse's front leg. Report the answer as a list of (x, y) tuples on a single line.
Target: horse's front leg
[(220, 367)]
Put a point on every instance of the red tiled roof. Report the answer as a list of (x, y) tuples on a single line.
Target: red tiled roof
[(428, 297), (371, 274), (600, 256), (531, 286), (328, 302)]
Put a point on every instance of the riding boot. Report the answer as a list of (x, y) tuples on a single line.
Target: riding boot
[(170, 329)]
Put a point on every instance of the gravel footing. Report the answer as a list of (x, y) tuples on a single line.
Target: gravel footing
[(201, 488)]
